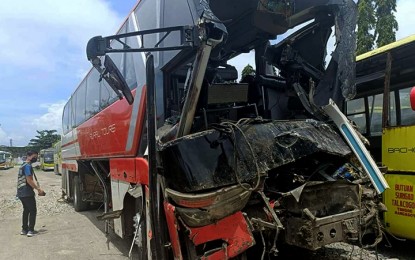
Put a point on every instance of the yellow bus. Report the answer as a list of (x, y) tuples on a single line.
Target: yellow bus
[(382, 112), (46, 159), (6, 160)]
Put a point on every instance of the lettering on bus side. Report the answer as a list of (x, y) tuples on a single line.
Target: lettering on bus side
[(102, 132), (403, 201), (401, 150)]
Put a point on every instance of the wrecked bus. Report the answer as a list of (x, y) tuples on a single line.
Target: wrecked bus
[(190, 163)]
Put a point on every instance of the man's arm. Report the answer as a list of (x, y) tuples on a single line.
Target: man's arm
[(32, 183)]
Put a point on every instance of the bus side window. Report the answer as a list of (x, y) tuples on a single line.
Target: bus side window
[(80, 104), (133, 59), (375, 114), (65, 119), (392, 109), (407, 115), (356, 113), (92, 94), (107, 95)]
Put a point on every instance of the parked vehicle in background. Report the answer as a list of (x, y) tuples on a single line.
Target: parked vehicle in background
[(192, 164), (57, 158), (46, 159), (6, 160), (382, 112)]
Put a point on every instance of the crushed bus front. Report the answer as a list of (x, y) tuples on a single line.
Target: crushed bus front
[(237, 168)]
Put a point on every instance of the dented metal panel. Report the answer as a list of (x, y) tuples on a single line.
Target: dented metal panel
[(206, 160)]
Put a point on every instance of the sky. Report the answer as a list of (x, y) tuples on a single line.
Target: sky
[(42, 57)]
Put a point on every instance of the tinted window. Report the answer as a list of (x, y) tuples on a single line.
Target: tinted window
[(92, 93), (135, 74), (71, 110), (170, 18), (146, 14), (392, 109), (107, 95), (356, 106), (80, 104), (118, 58), (65, 119), (129, 75), (375, 114), (407, 114)]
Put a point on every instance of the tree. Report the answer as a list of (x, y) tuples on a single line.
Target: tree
[(44, 139), (248, 70), (376, 23), (365, 24), (386, 24)]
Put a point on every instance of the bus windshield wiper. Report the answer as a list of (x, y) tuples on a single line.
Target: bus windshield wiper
[(113, 77)]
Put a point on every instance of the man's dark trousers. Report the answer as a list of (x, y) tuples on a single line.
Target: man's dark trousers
[(29, 213)]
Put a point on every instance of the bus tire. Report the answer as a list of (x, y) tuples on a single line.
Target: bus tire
[(140, 209), (78, 203)]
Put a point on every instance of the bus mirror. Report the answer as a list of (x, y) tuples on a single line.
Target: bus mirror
[(96, 47), (412, 98)]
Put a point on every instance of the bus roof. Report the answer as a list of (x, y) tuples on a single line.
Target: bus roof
[(386, 48), (371, 67)]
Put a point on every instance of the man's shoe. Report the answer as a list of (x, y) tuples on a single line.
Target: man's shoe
[(30, 234), (23, 232)]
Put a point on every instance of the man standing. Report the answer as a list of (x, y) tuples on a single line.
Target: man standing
[(25, 186)]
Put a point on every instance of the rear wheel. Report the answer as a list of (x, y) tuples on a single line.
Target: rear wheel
[(78, 203)]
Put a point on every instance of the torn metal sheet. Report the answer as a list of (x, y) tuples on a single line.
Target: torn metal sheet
[(207, 159)]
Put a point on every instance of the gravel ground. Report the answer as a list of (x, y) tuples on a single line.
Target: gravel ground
[(51, 204), (11, 207)]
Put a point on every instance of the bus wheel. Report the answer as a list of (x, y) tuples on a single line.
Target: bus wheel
[(140, 238), (78, 203)]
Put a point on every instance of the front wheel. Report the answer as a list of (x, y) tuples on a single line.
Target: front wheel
[(140, 248)]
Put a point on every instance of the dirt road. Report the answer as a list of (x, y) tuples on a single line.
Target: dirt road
[(62, 232), (66, 234)]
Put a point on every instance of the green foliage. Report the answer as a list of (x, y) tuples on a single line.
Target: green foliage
[(365, 23), (44, 139), (376, 23), (14, 150), (248, 70), (386, 24)]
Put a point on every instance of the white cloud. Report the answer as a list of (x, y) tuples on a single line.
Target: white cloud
[(38, 34), (42, 54), (52, 119), (406, 18)]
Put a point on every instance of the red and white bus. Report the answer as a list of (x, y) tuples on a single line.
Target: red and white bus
[(192, 164)]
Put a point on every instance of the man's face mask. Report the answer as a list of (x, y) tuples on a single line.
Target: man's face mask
[(34, 159)]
